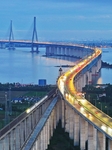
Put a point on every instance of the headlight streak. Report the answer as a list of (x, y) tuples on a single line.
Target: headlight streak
[(36, 104), (82, 101)]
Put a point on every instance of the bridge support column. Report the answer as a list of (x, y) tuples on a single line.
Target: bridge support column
[(42, 139), (59, 111), (101, 141), (95, 138), (90, 77), (109, 144), (43, 108), (32, 122), (76, 129), (94, 73), (78, 52), (6, 140), (25, 129), (66, 118), (71, 121), (63, 113), (48, 132), (80, 82), (55, 51), (59, 50), (52, 50), (2, 144), (91, 145), (22, 127), (75, 52), (99, 64), (12, 141), (46, 140), (47, 51), (67, 51), (86, 130), (34, 49), (38, 142), (51, 125), (2, 46), (70, 52), (82, 133), (54, 119), (63, 51), (28, 125), (34, 118), (83, 80), (17, 136), (37, 117)]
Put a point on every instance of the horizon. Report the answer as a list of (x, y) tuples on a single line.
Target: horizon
[(60, 20)]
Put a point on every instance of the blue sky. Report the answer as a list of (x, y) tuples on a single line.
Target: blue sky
[(58, 19)]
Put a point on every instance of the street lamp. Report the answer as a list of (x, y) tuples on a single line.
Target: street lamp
[(10, 105), (6, 109)]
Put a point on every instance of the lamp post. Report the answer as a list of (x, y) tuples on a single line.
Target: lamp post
[(60, 71), (10, 105), (6, 109)]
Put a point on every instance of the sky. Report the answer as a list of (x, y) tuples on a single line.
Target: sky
[(57, 20)]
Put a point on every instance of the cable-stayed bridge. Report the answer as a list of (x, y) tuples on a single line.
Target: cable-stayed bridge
[(85, 123)]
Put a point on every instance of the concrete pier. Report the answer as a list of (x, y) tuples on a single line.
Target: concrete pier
[(33, 130)]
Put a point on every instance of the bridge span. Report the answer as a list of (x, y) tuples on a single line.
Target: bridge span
[(51, 48), (85, 123)]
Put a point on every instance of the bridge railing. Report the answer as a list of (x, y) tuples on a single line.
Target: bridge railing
[(19, 130), (42, 133)]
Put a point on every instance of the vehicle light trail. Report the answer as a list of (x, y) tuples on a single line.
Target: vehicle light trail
[(71, 94)]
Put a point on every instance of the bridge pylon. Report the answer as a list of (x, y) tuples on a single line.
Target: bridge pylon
[(34, 38), (11, 38)]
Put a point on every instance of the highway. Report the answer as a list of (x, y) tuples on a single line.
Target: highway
[(38, 43), (88, 111)]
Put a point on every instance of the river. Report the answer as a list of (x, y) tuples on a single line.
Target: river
[(22, 66), (106, 74)]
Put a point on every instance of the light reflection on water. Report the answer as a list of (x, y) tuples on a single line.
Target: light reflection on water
[(23, 66), (106, 74)]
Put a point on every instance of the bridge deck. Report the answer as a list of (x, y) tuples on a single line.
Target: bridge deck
[(40, 125)]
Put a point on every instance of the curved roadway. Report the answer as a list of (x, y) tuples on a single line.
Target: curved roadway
[(92, 114)]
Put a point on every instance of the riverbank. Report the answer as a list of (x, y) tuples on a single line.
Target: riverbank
[(106, 65)]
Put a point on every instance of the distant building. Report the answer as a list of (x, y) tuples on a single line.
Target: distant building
[(17, 100), (42, 82)]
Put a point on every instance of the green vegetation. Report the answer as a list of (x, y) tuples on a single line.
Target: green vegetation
[(100, 96), (21, 98), (25, 87), (61, 140), (35, 93)]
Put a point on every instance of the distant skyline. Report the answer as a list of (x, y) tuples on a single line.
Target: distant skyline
[(57, 20)]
